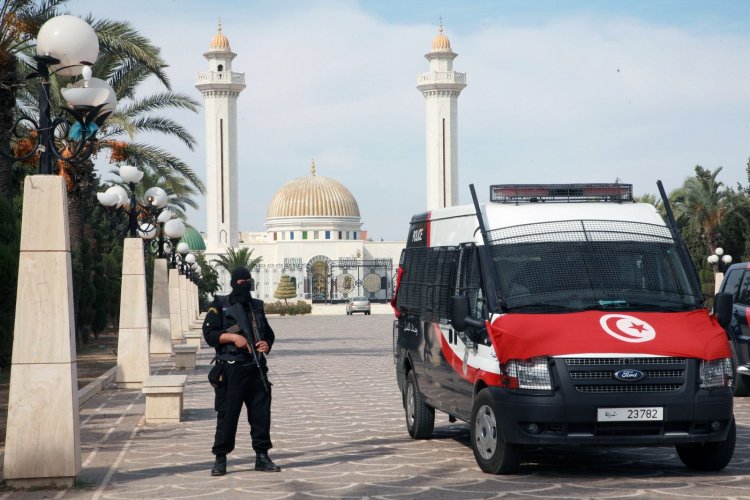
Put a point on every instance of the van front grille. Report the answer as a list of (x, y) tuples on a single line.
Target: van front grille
[(597, 375)]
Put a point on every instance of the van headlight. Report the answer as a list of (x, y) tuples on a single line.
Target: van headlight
[(530, 373), (716, 373)]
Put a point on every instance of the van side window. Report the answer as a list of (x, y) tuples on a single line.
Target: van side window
[(743, 294), (426, 285), (469, 280), (732, 283)]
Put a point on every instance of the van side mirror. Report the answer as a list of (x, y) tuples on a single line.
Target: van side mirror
[(460, 314), (723, 303)]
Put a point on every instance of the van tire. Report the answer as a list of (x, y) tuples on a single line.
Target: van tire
[(420, 417), (492, 453), (711, 456)]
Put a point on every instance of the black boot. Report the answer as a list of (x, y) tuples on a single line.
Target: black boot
[(220, 466), (264, 463)]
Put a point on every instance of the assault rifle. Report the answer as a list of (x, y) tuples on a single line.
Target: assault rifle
[(237, 313)]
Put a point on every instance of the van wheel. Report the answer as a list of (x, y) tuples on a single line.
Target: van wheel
[(492, 453), (420, 417), (710, 456)]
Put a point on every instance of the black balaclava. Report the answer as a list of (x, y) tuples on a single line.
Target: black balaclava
[(241, 293)]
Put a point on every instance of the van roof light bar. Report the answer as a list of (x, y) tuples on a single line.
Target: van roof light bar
[(565, 193)]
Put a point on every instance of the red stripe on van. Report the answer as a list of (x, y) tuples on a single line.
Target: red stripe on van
[(429, 223), (472, 374)]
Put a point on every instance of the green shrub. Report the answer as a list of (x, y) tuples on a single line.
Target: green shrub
[(278, 307)]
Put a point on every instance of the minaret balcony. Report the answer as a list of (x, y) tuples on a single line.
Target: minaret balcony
[(220, 77), (436, 80)]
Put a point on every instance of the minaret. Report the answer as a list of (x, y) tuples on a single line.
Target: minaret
[(220, 87), (441, 87)]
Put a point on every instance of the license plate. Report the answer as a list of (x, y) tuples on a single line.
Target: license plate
[(629, 414)]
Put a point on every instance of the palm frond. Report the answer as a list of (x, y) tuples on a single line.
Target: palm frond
[(161, 162), (160, 101), (165, 126), (119, 37)]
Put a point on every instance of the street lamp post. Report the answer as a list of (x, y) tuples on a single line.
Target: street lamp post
[(183, 249), (142, 216), (174, 229), (42, 443), (720, 262)]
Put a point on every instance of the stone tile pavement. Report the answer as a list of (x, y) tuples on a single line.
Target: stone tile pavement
[(339, 432)]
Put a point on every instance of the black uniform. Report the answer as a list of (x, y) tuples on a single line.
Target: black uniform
[(241, 382)]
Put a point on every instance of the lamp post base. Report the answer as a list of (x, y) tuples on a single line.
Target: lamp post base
[(57, 483)]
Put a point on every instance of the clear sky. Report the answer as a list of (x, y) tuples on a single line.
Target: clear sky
[(558, 91)]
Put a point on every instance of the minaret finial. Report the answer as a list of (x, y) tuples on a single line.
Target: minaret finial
[(312, 167), (220, 25)]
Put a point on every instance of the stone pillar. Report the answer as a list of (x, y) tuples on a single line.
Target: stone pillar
[(190, 298), (175, 318), (132, 339), (183, 304), (42, 441), (161, 337), (197, 312)]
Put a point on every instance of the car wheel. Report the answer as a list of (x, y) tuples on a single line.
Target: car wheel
[(492, 453), (709, 456), (420, 417), (741, 386)]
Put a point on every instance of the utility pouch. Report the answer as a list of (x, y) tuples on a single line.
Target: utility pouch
[(216, 374)]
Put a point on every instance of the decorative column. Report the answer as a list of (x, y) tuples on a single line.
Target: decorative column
[(175, 307), (42, 443), (441, 87), (185, 325), (132, 339), (190, 305), (161, 337)]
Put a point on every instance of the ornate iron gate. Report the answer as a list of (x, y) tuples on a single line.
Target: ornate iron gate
[(371, 278)]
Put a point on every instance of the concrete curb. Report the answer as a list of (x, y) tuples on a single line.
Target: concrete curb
[(96, 385), (84, 394)]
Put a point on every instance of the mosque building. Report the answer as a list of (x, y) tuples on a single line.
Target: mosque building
[(314, 230)]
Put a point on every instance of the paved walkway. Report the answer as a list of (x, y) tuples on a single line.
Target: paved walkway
[(338, 430)]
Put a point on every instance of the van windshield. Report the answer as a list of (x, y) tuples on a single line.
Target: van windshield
[(581, 265)]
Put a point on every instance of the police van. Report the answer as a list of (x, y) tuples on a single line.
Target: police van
[(561, 315)]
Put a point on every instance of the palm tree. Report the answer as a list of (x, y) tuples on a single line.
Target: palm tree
[(234, 259), (701, 204), (20, 21)]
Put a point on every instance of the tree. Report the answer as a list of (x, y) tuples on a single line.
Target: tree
[(20, 21), (286, 289), (208, 283), (701, 204), (234, 259)]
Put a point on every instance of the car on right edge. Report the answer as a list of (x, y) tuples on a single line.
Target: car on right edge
[(737, 283)]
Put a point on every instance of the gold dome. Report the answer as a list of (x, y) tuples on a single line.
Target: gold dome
[(313, 196), (441, 43), (220, 41)]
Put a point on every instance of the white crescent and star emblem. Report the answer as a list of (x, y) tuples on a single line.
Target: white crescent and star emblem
[(627, 328)]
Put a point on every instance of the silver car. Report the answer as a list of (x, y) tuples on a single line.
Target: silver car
[(358, 304)]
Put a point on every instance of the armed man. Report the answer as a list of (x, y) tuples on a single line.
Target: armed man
[(237, 328)]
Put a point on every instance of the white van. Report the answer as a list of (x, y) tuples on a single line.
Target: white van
[(562, 315)]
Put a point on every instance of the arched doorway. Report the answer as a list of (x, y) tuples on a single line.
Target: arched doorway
[(317, 270)]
